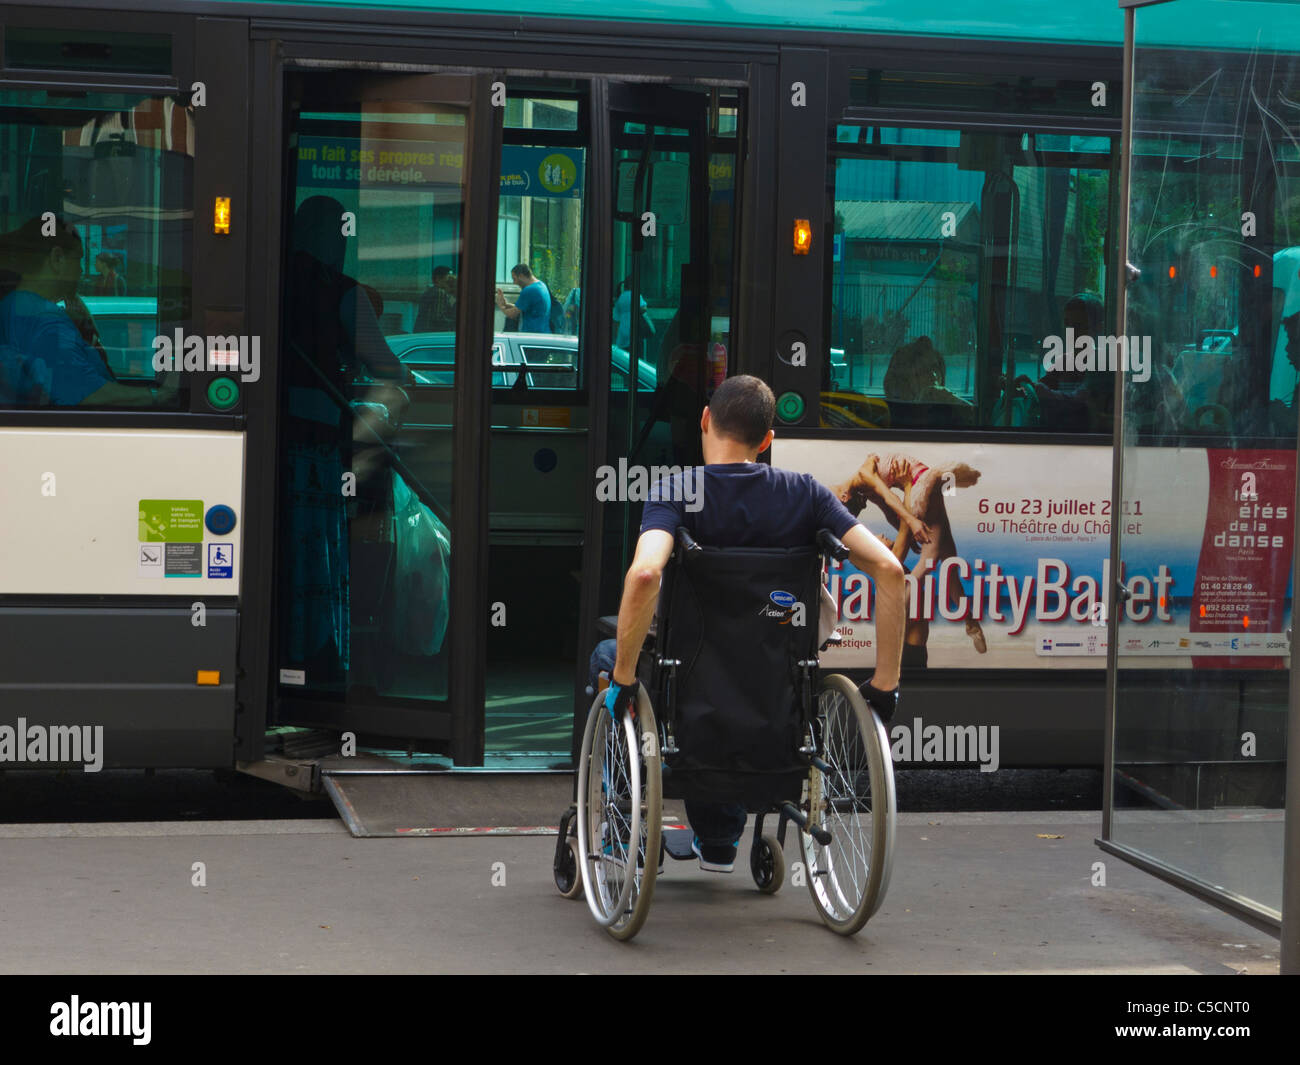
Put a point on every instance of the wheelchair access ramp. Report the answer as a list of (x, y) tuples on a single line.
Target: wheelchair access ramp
[(379, 796), (376, 797)]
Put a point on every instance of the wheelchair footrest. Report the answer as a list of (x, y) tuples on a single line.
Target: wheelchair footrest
[(677, 842)]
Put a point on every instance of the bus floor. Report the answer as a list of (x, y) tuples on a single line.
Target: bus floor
[(529, 714)]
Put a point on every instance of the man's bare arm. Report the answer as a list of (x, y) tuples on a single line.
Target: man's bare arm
[(886, 573), (640, 596)]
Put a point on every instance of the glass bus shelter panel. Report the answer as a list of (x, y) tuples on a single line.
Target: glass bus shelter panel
[(957, 256), (376, 190), (1207, 507)]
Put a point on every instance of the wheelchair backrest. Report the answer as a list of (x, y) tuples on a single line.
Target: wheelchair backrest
[(739, 620)]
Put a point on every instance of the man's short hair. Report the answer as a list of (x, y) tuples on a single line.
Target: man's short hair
[(440, 272), (522, 270), (25, 249), (742, 409)]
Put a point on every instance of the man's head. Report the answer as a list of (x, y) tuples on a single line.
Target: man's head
[(1085, 314), (444, 278), (49, 265), (1291, 323), (738, 420), (316, 231), (522, 275)]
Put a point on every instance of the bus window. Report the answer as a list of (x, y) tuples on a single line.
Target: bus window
[(95, 231), (959, 258)]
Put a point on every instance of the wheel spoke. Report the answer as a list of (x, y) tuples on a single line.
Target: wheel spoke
[(847, 874)]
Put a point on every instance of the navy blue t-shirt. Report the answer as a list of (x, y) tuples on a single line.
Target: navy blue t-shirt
[(746, 504)]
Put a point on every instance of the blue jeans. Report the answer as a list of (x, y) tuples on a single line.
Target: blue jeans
[(717, 824)]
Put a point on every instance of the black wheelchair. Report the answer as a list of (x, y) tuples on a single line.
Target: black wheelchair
[(744, 718)]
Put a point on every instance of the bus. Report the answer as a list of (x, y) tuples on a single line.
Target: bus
[(302, 499)]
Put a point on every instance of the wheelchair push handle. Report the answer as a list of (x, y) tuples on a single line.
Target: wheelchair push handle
[(831, 545), (685, 540)]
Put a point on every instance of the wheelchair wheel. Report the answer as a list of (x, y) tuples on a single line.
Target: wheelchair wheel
[(854, 801), (767, 863), (620, 815), (568, 875)]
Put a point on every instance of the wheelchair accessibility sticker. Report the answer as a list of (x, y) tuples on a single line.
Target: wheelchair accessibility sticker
[(221, 561)]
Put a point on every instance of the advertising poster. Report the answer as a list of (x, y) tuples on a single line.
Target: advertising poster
[(1019, 543)]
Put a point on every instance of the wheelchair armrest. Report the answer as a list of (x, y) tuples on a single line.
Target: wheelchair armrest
[(685, 540), (831, 545)]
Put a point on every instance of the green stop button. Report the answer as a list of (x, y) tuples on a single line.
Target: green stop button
[(790, 407), (223, 393)]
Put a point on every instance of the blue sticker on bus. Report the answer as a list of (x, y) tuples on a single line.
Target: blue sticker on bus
[(221, 561)]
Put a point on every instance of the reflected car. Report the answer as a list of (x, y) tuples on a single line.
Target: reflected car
[(850, 410), (552, 360)]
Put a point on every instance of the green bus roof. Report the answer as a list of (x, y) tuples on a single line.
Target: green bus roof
[(1077, 22)]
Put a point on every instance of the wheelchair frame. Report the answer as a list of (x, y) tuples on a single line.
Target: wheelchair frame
[(843, 741)]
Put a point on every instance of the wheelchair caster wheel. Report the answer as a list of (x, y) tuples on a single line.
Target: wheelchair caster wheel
[(568, 877), (767, 863)]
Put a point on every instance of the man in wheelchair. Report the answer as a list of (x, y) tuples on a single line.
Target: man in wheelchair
[(747, 503)]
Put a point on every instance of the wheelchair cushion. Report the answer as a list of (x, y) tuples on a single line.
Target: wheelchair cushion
[(739, 620)]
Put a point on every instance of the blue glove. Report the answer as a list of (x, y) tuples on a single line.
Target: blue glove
[(620, 695)]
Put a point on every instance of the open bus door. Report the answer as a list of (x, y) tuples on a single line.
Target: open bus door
[(380, 498), (672, 230), (435, 509)]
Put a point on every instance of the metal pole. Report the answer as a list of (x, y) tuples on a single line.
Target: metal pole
[(1113, 605)]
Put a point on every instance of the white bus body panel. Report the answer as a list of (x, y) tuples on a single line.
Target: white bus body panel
[(70, 509)]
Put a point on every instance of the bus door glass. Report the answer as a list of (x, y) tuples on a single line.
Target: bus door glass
[(675, 172), (376, 174), (537, 463), (674, 218)]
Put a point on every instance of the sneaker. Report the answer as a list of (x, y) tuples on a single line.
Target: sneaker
[(716, 859)]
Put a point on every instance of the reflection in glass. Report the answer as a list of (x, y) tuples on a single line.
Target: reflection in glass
[(1209, 462)]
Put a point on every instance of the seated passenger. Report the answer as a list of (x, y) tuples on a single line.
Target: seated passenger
[(44, 357), (1077, 401), (917, 375), (747, 503)]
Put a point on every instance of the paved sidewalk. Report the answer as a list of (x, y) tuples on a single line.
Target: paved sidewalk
[(971, 893)]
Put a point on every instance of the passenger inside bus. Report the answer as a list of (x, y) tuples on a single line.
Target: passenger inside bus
[(916, 388), (45, 359), (345, 405)]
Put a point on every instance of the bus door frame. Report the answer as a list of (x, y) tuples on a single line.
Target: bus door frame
[(460, 720)]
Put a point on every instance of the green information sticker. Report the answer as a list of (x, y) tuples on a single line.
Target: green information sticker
[(171, 520), (557, 173)]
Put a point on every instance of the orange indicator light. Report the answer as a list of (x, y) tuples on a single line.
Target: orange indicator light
[(802, 236), (221, 215)]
